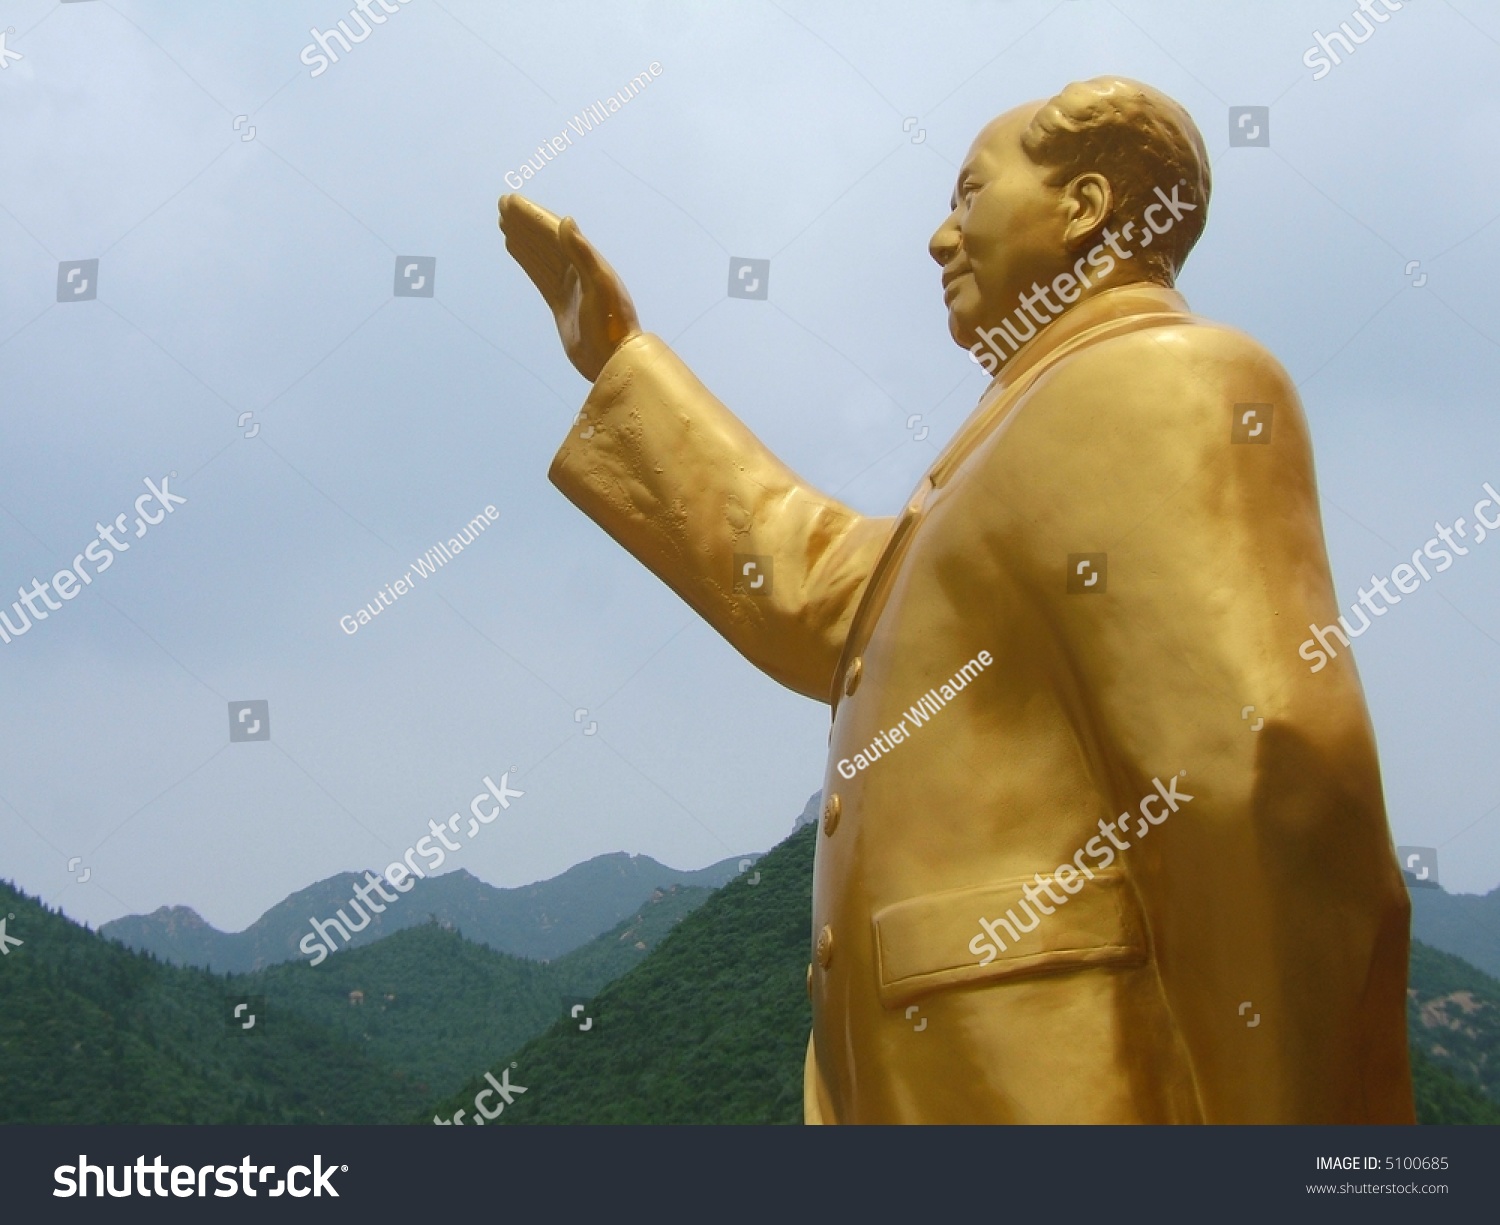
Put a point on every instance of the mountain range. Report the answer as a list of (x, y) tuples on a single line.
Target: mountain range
[(540, 921), (544, 920), (1464, 924)]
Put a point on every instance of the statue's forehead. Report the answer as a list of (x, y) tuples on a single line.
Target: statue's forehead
[(1000, 136), (998, 140)]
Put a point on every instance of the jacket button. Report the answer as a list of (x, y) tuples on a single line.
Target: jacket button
[(833, 808), (825, 946), (852, 675)]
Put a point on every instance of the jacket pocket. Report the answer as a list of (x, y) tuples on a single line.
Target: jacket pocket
[(928, 943)]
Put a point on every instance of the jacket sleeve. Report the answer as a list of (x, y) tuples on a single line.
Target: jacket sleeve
[(773, 565)]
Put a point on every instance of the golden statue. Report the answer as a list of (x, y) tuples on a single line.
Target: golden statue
[(1139, 870)]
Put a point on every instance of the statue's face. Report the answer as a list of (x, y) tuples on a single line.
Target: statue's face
[(1006, 229)]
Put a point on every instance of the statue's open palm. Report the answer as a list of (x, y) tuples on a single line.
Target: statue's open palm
[(594, 312)]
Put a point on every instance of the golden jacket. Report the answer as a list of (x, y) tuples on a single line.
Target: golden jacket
[(1138, 564)]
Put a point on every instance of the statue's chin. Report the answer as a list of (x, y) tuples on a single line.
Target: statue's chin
[(961, 330)]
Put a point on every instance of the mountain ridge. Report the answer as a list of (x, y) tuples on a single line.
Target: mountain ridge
[(540, 921), (1466, 925)]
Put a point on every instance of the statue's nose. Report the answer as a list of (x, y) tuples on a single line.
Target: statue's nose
[(944, 243)]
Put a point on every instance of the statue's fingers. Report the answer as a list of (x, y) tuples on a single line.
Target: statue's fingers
[(529, 224), (547, 270), (519, 208), (532, 240), (542, 262), (591, 266)]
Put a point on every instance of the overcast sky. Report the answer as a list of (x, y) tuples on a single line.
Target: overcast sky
[(248, 218)]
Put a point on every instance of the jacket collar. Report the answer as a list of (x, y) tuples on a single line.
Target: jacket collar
[(1140, 298), (1138, 301)]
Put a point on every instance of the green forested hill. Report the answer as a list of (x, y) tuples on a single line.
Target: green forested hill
[(711, 1028), (438, 1006), (1443, 1098), (91, 1032), (1453, 1017)]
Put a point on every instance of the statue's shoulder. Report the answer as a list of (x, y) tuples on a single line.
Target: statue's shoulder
[(1172, 383), (1185, 340)]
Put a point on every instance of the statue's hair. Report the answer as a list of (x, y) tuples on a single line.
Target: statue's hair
[(1138, 139)]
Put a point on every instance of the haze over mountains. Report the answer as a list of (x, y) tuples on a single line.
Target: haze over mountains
[(1464, 924), (539, 921), (547, 919)]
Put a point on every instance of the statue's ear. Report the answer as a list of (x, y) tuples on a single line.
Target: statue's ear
[(1090, 200)]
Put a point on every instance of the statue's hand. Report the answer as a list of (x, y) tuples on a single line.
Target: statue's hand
[(593, 310)]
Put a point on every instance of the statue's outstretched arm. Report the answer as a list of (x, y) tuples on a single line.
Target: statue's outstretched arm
[(667, 470)]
